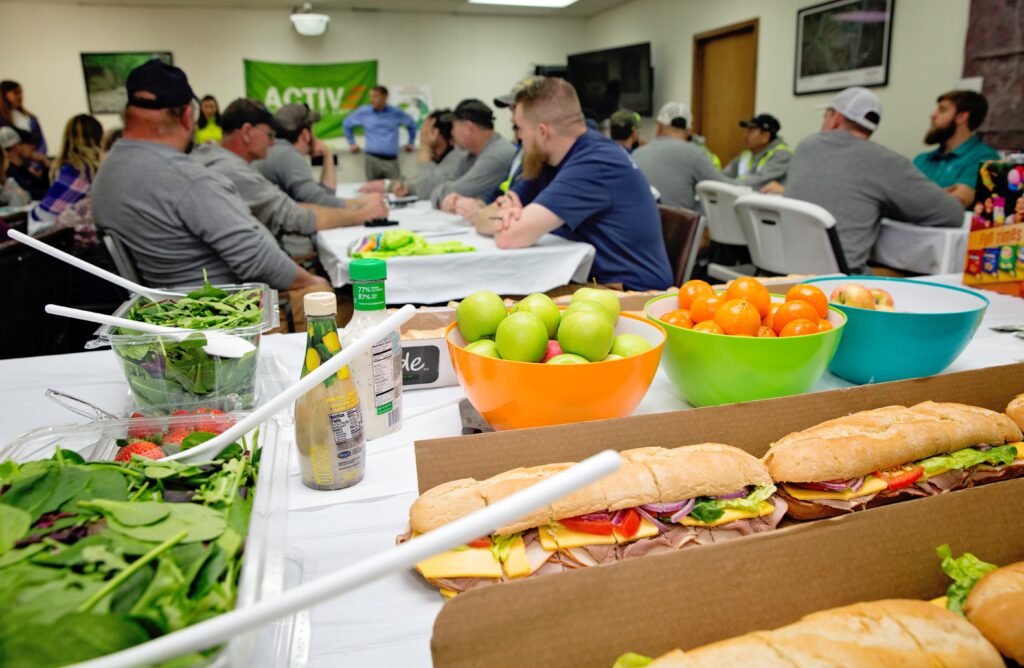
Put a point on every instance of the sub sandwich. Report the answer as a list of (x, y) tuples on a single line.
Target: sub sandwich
[(890, 454), (660, 500), (1016, 411), (991, 598), (877, 634)]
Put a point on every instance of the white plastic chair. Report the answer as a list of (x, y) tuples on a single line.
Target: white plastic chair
[(789, 236), (718, 200)]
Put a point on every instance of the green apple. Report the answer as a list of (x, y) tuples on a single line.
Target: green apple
[(587, 306), (628, 345), (587, 334), (605, 298), (485, 347), (566, 358), (612, 358), (522, 337), (479, 315), (545, 307)]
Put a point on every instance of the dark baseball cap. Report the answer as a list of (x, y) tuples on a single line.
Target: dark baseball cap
[(763, 122), (509, 100), (476, 112), (167, 83), (626, 119), (294, 117), (245, 110)]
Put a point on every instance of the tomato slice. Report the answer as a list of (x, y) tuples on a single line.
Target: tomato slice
[(629, 525), (596, 527), (484, 542), (900, 479)]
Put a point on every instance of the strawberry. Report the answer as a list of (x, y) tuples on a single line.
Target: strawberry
[(143, 432), (214, 424), (146, 449), (181, 423), (175, 436)]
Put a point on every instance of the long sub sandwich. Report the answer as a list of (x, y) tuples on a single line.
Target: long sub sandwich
[(878, 634), (889, 454), (660, 500)]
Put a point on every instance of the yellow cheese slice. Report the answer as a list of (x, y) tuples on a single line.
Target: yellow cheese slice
[(554, 537), (940, 601), (871, 485), (448, 593), (516, 564), (475, 562), (731, 515), (646, 530)]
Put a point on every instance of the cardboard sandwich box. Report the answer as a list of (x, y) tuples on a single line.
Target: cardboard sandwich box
[(425, 359), (699, 595)]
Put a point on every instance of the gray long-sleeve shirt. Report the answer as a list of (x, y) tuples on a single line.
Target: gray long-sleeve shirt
[(477, 175), (178, 218), (287, 169), (860, 182), (755, 174), (286, 220), (430, 175), (675, 167)]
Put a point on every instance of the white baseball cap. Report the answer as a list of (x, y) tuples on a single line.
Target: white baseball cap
[(859, 105), (9, 138), (670, 111)]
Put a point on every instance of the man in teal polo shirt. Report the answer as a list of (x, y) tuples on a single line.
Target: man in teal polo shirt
[(954, 164)]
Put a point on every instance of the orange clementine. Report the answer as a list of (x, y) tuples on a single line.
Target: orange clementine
[(703, 308), (811, 294), (766, 332), (738, 317), (797, 309), (799, 327), (679, 318), (708, 327), (824, 325), (772, 308), (753, 291), (690, 290)]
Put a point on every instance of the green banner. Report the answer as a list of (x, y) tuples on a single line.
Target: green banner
[(334, 90)]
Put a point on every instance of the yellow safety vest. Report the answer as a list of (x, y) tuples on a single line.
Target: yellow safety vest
[(746, 157), (715, 160), (507, 183)]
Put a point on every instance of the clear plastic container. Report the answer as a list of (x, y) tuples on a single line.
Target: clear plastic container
[(164, 372), (264, 561)]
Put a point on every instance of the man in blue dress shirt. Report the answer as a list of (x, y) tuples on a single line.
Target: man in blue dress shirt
[(380, 122)]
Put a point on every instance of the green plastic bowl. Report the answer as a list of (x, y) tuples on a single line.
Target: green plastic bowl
[(712, 369)]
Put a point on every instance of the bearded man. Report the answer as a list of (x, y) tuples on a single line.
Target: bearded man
[(954, 164), (581, 186)]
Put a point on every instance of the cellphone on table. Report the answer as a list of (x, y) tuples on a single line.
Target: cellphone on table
[(380, 222), (400, 201)]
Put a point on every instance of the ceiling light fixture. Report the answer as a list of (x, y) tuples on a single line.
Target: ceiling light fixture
[(308, 23), (547, 4)]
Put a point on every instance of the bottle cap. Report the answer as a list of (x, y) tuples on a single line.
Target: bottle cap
[(368, 270), (320, 303)]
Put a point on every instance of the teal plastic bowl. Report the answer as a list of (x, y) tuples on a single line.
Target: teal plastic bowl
[(712, 369), (931, 326)]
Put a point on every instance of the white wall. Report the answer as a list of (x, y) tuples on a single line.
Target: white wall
[(926, 58), (459, 56)]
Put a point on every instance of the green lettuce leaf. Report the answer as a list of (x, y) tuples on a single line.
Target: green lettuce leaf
[(502, 545), (708, 510), (965, 572), (633, 660), (968, 457)]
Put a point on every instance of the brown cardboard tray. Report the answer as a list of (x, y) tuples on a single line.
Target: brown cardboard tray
[(695, 596)]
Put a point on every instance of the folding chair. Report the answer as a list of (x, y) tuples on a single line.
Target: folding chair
[(718, 199), (789, 236)]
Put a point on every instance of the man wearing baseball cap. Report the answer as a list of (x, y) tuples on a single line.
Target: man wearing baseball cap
[(248, 134), (624, 128), (487, 157), (766, 157), (672, 163), (177, 217), (859, 181)]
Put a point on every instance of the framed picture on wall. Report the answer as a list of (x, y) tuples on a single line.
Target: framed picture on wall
[(842, 43), (106, 73)]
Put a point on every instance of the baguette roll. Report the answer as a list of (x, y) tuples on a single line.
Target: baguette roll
[(880, 439), (996, 607), (1016, 411)]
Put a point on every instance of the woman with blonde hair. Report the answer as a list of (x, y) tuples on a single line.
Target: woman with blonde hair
[(73, 171)]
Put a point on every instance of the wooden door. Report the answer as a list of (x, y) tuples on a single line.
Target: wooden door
[(724, 85)]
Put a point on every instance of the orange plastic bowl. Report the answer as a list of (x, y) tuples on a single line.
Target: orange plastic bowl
[(516, 395)]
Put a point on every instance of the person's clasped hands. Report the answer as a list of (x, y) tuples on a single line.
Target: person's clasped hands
[(511, 208)]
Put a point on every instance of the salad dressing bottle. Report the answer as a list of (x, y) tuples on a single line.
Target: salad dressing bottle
[(378, 372), (328, 420)]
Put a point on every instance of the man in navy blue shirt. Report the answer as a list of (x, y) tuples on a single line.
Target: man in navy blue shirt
[(583, 187), (380, 122)]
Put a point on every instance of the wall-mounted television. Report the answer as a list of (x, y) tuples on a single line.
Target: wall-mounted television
[(614, 78)]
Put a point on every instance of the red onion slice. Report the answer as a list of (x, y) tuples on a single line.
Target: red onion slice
[(663, 508), (735, 495), (652, 519), (857, 484), (983, 448), (618, 517), (685, 510), (596, 517)]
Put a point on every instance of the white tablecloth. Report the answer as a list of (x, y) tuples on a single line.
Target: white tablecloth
[(430, 279), (389, 622)]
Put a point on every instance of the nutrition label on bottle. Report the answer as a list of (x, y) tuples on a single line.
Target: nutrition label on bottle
[(387, 386), (347, 426)]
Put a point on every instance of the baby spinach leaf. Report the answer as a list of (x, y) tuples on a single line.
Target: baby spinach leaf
[(131, 514), (195, 438), (73, 638), (199, 522), (14, 525)]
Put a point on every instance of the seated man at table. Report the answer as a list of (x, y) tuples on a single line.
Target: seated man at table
[(248, 132), (286, 165), (581, 186), (438, 160), (176, 217), (486, 159), (859, 182), (673, 163), (766, 157), (954, 164)]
